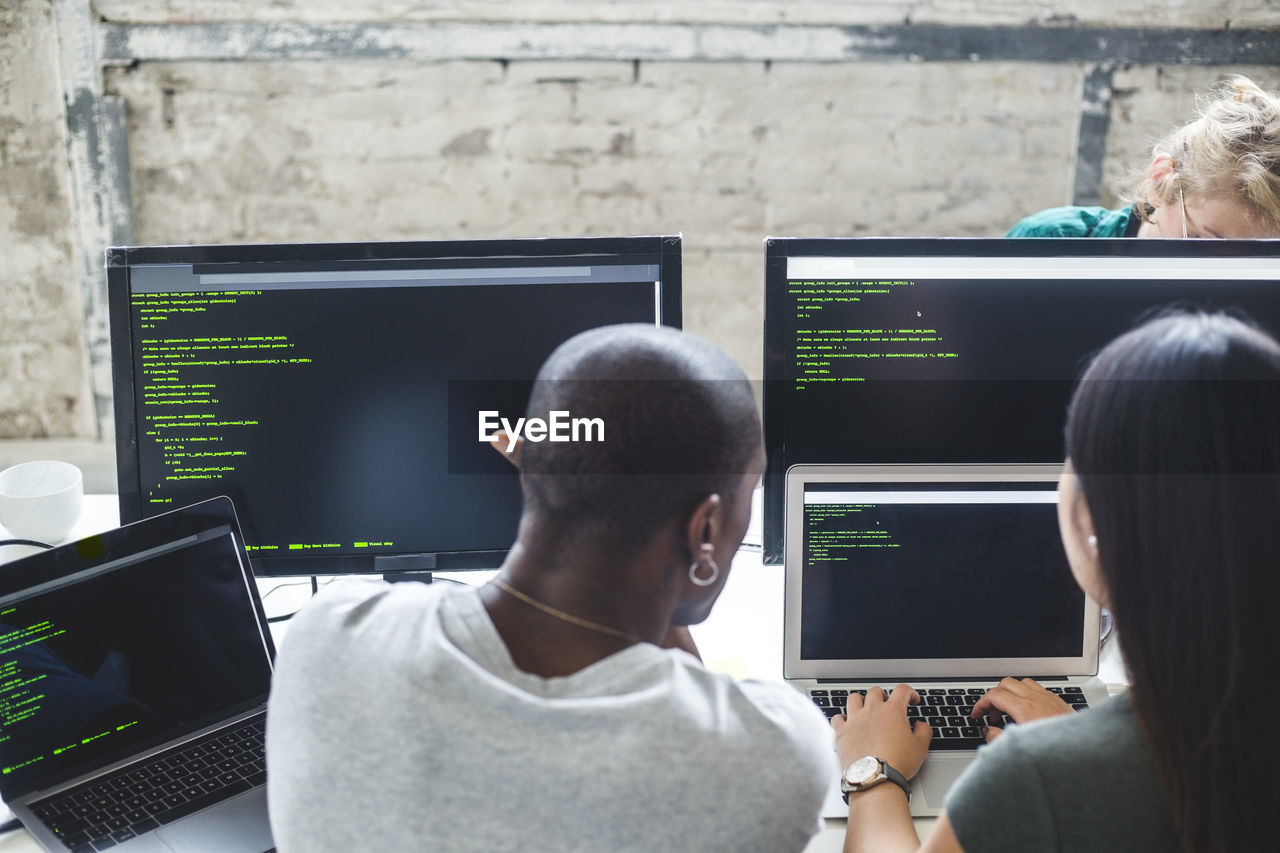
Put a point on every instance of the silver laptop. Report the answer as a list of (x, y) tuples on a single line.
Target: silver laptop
[(134, 672), (945, 577)]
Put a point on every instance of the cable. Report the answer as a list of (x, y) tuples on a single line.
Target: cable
[(280, 586), (10, 825), (272, 620), (315, 588), (31, 542)]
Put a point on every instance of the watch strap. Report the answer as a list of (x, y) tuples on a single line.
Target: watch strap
[(889, 774), (896, 778)]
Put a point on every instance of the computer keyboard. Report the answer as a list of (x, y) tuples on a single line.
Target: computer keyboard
[(160, 789), (947, 711)]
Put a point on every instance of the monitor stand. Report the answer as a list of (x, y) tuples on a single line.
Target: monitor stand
[(400, 568), (407, 577)]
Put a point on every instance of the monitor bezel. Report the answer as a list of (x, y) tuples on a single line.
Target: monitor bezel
[(100, 552), (121, 259), (778, 250), (795, 666)]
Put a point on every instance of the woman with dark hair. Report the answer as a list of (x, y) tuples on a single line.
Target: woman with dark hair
[(1169, 508)]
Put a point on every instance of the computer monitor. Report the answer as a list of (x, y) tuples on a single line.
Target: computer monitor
[(335, 391), (963, 350)]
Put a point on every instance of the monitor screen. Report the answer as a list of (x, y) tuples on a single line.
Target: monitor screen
[(336, 392), (963, 350), (978, 568), (124, 640)]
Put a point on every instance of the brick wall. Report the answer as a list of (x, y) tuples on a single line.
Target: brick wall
[(43, 376), (725, 152), (1123, 13)]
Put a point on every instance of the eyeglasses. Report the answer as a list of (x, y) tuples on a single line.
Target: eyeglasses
[(1181, 201)]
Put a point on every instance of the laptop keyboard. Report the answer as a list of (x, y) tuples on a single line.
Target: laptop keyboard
[(946, 710), (107, 811)]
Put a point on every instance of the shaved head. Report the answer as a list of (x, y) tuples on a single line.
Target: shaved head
[(680, 423)]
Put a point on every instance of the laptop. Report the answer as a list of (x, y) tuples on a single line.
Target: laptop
[(944, 577), (134, 672)]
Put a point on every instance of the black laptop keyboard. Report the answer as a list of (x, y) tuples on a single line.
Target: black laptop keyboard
[(947, 711), (107, 811)]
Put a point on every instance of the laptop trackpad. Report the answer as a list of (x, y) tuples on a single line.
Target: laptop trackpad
[(239, 825), (938, 774)]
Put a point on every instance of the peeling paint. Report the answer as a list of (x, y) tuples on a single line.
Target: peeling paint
[(42, 356), (1091, 138), (39, 212), (100, 201), (756, 12), (728, 152), (917, 42), (623, 145), (473, 143)]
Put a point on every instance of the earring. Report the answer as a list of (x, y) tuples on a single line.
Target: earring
[(693, 568), (1093, 541)]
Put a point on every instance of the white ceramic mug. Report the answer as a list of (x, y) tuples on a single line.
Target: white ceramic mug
[(41, 500)]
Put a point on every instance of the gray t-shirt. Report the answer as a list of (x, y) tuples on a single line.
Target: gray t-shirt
[(1077, 783), (398, 721)]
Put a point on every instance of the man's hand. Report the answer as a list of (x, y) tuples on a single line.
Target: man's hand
[(878, 726), (1023, 700)]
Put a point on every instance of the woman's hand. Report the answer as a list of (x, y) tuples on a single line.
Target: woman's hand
[(1023, 700), (877, 725)]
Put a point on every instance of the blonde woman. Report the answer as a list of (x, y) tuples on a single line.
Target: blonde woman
[(1218, 176)]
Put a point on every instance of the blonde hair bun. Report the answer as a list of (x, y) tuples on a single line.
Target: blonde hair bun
[(1231, 149)]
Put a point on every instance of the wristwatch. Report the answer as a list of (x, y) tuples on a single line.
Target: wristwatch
[(867, 772)]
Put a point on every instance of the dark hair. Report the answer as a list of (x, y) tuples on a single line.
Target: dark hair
[(1174, 433), (680, 423)]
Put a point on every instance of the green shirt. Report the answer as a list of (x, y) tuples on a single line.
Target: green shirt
[(1083, 782), (1078, 222)]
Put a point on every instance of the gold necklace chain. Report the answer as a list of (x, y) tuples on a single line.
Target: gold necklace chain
[(561, 615)]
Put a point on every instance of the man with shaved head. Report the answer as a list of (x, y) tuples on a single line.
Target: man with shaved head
[(561, 706)]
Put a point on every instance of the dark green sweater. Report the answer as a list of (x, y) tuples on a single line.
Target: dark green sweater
[(1083, 782)]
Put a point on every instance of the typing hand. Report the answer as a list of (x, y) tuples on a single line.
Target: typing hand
[(1023, 700), (878, 726)]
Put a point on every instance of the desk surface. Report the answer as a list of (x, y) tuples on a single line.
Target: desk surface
[(741, 637)]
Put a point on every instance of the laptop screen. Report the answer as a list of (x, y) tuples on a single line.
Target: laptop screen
[(100, 663), (931, 577)]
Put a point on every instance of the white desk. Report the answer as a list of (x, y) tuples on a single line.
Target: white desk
[(742, 637)]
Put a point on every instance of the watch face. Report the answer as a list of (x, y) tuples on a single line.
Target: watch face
[(863, 770)]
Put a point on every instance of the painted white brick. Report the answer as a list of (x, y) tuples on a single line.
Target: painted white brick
[(724, 153), (397, 149), (43, 366), (1187, 13)]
